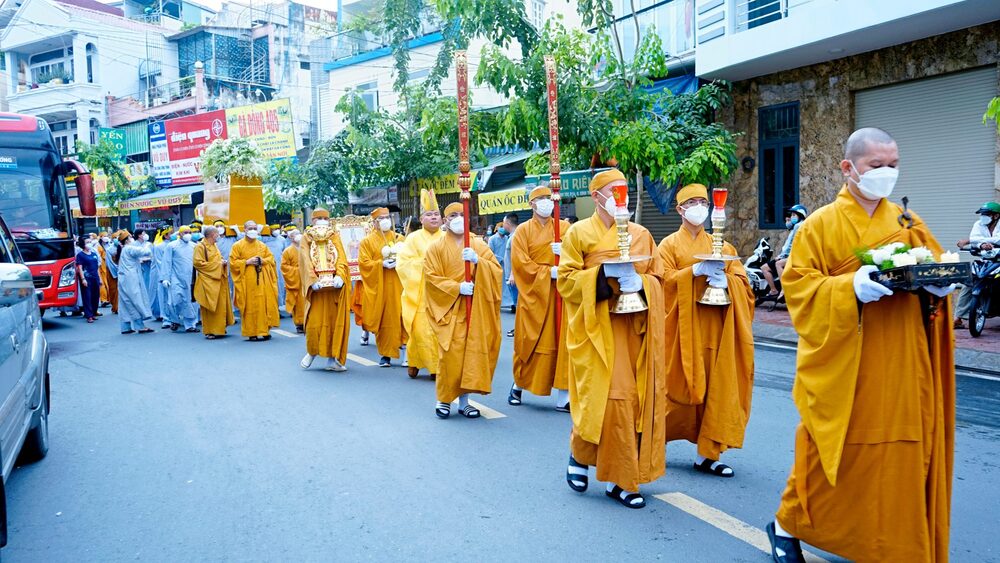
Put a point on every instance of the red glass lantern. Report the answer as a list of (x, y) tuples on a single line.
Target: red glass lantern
[(620, 192), (719, 196)]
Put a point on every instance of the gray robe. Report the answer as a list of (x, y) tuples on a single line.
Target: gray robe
[(277, 246), (178, 264), (133, 297)]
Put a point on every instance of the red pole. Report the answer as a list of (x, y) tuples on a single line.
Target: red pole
[(554, 180), (464, 182)]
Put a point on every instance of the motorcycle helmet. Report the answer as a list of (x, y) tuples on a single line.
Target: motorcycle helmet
[(989, 207), (800, 209)]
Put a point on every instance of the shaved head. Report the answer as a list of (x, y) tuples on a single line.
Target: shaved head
[(862, 141)]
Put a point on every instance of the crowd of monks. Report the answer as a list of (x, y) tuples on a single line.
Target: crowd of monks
[(875, 376)]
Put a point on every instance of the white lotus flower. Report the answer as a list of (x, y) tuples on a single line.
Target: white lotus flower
[(893, 246), (903, 259), (921, 254), (880, 255)]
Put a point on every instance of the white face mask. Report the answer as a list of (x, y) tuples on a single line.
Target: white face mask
[(610, 206), (105, 240), (252, 234), (877, 183), (985, 220), (297, 238), (385, 224), (322, 223), (457, 225), (144, 237), (696, 214), (186, 238), (544, 207)]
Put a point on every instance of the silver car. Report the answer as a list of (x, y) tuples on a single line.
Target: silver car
[(24, 369)]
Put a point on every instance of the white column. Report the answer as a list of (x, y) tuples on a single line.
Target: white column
[(82, 124), (79, 59), (12, 71)]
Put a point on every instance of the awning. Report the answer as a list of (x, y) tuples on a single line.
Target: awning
[(684, 84), (504, 201), (480, 176), (162, 198), (499, 161)]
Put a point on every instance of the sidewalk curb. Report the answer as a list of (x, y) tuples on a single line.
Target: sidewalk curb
[(972, 360)]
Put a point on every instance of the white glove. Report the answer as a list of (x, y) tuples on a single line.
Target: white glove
[(618, 270), (465, 288), (630, 283), (718, 279), (389, 264), (557, 248), (469, 255), (385, 252), (555, 272), (338, 282), (866, 289), (940, 291), (316, 286), (165, 283), (708, 267)]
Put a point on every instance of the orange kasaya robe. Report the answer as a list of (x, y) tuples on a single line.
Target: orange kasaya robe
[(540, 360), (295, 299), (709, 349), (256, 294), (616, 377), (102, 272), (421, 345), (357, 301), (328, 310), (468, 352), (875, 387), (211, 289), (382, 293)]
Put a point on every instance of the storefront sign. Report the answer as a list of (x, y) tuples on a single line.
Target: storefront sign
[(575, 183), (269, 124), (135, 172), (165, 201), (491, 203), (117, 139), (158, 153), (443, 184), (187, 137)]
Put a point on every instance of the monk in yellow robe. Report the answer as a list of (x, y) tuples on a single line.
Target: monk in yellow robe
[(382, 288), (874, 383), (540, 360), (211, 286), (709, 348), (421, 345), (255, 280), (616, 377), (102, 268), (295, 298), (468, 351), (328, 307)]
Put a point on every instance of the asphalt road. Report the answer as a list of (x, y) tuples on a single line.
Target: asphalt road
[(169, 447)]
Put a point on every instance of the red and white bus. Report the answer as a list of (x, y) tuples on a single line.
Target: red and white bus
[(35, 206)]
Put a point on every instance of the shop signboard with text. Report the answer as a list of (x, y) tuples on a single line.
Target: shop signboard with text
[(186, 138), (268, 124)]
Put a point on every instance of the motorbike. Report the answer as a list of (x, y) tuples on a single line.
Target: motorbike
[(761, 255), (985, 288)]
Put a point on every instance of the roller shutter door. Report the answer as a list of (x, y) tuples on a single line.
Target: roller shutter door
[(947, 155)]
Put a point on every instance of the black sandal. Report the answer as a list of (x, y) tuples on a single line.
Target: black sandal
[(266, 337), (514, 398), (412, 372), (128, 332), (469, 412), (716, 468), (145, 330), (563, 408), (253, 339), (210, 336), (791, 548), (443, 410), (626, 498), (577, 481)]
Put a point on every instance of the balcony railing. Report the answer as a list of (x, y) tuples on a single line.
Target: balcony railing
[(161, 94), (749, 14)]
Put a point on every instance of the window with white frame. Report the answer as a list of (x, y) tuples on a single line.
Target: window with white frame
[(537, 13), (419, 76), (44, 67), (368, 93)]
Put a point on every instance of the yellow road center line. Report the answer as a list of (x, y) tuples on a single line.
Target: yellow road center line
[(363, 361), (284, 333), (487, 412), (728, 524)]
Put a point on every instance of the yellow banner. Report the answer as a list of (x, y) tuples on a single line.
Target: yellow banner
[(165, 201), (491, 203), (442, 184), (269, 124)]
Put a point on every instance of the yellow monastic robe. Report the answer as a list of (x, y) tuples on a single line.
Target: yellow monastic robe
[(468, 352), (382, 293), (357, 300), (211, 289), (421, 345), (709, 349), (616, 377), (256, 294), (540, 360), (102, 272), (295, 299), (875, 387), (328, 311)]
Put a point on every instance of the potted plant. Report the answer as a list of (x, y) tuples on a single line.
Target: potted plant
[(233, 157)]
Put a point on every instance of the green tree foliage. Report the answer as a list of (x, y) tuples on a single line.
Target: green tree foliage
[(103, 156), (993, 112)]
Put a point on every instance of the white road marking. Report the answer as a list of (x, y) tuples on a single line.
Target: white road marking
[(732, 526), (363, 361), (284, 333), (487, 412), (964, 373)]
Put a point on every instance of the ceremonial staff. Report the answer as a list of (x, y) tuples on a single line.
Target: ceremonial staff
[(464, 182), (554, 181)]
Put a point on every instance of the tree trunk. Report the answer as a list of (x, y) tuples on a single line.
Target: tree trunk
[(638, 196)]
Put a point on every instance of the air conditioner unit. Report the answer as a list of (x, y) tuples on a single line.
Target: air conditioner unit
[(158, 102)]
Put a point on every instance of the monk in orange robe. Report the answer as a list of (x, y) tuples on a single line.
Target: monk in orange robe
[(255, 280), (709, 348), (874, 383), (540, 360), (382, 288), (295, 300), (616, 377), (468, 352), (211, 286), (421, 344), (102, 270), (328, 307)]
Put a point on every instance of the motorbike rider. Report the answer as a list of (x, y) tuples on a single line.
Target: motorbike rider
[(985, 235), (793, 219)]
